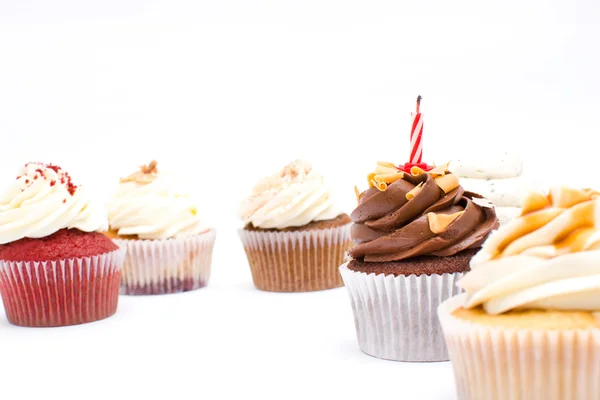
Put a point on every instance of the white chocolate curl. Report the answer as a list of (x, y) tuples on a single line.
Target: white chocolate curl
[(548, 258)]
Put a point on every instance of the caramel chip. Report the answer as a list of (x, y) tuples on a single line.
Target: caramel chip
[(357, 193), (146, 174), (414, 192), (447, 182), (438, 223)]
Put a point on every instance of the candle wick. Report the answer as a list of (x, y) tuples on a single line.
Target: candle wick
[(419, 104)]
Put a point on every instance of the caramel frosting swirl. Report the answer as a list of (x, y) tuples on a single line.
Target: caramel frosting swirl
[(548, 258), (405, 215)]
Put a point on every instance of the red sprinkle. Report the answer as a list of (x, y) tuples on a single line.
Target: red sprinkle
[(65, 178), (64, 200)]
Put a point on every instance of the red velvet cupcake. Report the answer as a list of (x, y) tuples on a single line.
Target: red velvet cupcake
[(55, 268)]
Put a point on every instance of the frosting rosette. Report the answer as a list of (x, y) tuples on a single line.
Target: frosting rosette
[(153, 205), (43, 200), (404, 215), (548, 258), (293, 197)]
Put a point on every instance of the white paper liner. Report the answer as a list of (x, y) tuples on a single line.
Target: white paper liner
[(58, 293), (395, 316), (298, 261), (167, 266), (499, 363)]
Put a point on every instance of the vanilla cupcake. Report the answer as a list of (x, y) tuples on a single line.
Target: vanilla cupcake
[(169, 248), (528, 325), (295, 236)]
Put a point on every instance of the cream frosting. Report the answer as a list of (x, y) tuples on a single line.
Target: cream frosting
[(506, 166), (295, 196), (507, 214), (548, 258), (43, 200), (497, 178), (154, 205), (501, 192)]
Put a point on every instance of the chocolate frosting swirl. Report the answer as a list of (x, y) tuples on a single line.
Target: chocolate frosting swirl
[(389, 227)]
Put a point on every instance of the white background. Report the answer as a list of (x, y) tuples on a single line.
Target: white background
[(225, 91)]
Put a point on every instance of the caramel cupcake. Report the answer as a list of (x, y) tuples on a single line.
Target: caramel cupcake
[(56, 269), (415, 232), (294, 235), (528, 325), (169, 249)]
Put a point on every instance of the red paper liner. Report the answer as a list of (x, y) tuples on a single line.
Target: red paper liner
[(61, 293)]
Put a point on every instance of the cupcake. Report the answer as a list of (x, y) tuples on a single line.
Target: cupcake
[(415, 232), (498, 179), (294, 235), (169, 249), (55, 268), (528, 325)]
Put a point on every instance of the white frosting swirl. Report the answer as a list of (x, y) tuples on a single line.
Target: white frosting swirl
[(154, 206), (497, 178), (506, 165), (42, 201), (293, 197), (549, 258)]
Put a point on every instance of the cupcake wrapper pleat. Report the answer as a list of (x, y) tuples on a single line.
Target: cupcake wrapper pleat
[(494, 363), (167, 266), (59, 293), (296, 261), (395, 316)]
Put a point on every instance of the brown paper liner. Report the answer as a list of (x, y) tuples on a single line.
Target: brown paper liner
[(303, 261)]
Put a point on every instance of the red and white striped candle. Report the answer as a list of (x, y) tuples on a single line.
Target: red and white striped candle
[(416, 135)]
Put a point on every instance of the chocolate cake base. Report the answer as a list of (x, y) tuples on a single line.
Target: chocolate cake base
[(338, 221), (422, 265)]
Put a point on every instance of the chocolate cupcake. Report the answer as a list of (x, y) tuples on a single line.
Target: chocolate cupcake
[(56, 268), (415, 232), (294, 235), (169, 248)]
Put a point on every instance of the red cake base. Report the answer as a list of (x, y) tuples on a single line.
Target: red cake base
[(61, 245)]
